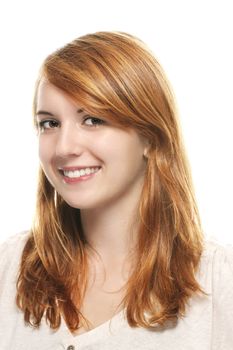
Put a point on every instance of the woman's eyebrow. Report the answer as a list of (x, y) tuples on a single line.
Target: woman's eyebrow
[(44, 113)]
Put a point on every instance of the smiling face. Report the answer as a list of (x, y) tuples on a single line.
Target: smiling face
[(90, 162)]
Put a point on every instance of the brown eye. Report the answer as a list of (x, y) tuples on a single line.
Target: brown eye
[(93, 121), (48, 124)]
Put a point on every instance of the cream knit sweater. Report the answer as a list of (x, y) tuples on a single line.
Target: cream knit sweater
[(208, 324)]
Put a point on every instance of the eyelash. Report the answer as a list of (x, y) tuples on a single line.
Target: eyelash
[(96, 120)]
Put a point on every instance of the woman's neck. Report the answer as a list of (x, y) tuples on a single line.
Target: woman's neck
[(111, 231)]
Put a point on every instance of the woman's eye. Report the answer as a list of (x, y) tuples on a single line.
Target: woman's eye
[(93, 121), (47, 124)]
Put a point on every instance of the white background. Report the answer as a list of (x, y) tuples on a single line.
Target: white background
[(193, 41)]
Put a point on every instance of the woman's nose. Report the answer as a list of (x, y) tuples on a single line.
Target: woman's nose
[(69, 141)]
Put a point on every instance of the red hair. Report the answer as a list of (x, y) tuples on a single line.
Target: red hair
[(114, 75)]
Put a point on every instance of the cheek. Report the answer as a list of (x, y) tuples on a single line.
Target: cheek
[(104, 148), (124, 153), (44, 152)]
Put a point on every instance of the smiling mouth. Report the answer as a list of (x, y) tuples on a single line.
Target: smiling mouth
[(79, 173)]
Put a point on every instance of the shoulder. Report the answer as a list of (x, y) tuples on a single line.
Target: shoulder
[(213, 246), (11, 251), (15, 241), (216, 272), (219, 256), (216, 264)]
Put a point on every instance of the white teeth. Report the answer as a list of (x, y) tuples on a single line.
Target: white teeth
[(81, 172)]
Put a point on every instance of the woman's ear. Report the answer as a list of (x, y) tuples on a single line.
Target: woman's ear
[(146, 151), (147, 146)]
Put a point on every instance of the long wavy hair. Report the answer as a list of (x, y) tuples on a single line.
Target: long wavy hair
[(114, 75)]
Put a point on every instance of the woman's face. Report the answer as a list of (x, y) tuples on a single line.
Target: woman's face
[(88, 160)]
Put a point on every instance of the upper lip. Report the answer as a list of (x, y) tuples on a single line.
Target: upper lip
[(73, 168)]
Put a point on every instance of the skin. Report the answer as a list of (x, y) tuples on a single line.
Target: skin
[(108, 200)]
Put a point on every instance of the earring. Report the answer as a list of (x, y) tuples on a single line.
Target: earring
[(55, 198)]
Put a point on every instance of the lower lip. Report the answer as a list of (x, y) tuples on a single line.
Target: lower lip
[(75, 180)]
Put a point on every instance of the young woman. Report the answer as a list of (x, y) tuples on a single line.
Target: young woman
[(116, 257)]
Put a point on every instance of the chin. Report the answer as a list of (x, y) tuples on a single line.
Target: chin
[(79, 204)]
